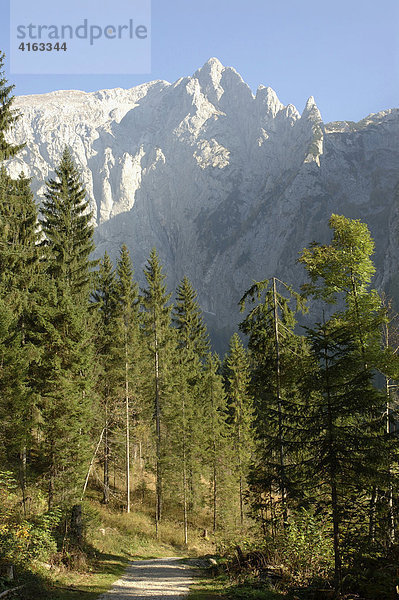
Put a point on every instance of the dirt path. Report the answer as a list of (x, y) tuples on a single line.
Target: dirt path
[(157, 578)]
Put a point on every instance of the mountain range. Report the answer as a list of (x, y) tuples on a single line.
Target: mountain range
[(227, 185)]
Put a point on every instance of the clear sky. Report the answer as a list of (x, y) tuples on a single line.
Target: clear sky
[(345, 53)]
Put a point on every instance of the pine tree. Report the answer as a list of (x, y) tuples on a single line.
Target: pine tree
[(19, 289), (8, 116), (341, 272), (217, 455), (67, 374), (67, 227), (192, 345), (276, 353), (105, 299), (157, 332), (346, 436), (129, 347), (240, 410)]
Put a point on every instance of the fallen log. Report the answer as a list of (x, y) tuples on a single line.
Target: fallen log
[(11, 591)]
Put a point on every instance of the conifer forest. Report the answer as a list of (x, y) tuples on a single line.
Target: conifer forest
[(286, 448)]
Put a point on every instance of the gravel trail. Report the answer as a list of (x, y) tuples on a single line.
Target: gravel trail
[(157, 578)]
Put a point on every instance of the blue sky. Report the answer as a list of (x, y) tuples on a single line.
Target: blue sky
[(344, 53)]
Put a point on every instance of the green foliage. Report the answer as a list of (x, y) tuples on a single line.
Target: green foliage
[(8, 116), (187, 317), (67, 227), (240, 412), (20, 543), (305, 550), (184, 419), (277, 357), (345, 265), (159, 338)]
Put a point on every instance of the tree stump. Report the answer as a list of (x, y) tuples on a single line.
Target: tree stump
[(7, 571), (77, 525)]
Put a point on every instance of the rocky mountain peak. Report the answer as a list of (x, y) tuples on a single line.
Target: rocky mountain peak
[(311, 111), (229, 187)]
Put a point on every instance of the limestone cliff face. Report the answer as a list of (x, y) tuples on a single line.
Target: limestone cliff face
[(227, 185)]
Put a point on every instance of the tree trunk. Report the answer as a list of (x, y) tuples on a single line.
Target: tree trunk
[(279, 408), (158, 511), (372, 509), (50, 498), (240, 474), (391, 516), (91, 465), (106, 458), (214, 489), (127, 431), (333, 487), (337, 550), (185, 516), (22, 476), (22, 455)]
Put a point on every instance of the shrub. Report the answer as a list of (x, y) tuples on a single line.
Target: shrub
[(305, 549)]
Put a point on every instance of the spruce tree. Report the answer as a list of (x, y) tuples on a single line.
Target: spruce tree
[(18, 281), (345, 435), (187, 317), (66, 378), (217, 455), (275, 353), (20, 291), (129, 352), (8, 116), (240, 410), (67, 227), (192, 345), (105, 300), (157, 332)]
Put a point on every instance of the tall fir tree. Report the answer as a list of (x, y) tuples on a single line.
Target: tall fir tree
[(105, 301), (19, 269), (128, 336), (65, 381), (275, 353), (66, 378), (192, 346), (240, 411), (67, 227), (345, 435), (8, 116), (158, 334)]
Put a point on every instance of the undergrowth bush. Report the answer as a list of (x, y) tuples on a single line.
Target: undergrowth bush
[(305, 549)]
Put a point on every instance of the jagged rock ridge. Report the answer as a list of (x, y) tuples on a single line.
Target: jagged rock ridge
[(229, 186)]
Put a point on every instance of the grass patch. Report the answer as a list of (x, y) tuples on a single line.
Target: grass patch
[(208, 589), (220, 588)]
